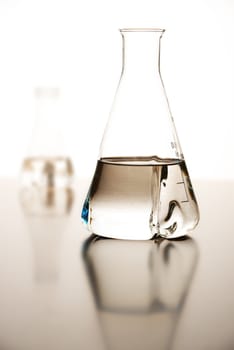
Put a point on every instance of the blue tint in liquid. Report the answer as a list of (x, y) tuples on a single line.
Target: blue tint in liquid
[(85, 211)]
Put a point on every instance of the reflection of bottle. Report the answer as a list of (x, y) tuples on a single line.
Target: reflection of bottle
[(139, 289), (47, 172), (141, 187), (46, 235), (45, 322)]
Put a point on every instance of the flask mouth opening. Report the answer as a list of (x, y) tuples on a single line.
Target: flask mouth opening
[(159, 30)]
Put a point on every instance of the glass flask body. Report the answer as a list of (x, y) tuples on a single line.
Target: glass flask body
[(141, 187)]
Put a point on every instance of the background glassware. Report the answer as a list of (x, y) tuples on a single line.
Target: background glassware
[(47, 171), (141, 187)]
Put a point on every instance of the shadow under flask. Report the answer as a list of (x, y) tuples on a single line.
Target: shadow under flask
[(141, 187)]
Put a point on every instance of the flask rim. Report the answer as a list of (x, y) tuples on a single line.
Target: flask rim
[(124, 30)]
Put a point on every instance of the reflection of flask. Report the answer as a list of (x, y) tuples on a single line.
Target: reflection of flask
[(47, 171), (141, 180), (139, 296)]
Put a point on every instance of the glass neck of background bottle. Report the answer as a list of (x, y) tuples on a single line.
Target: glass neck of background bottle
[(47, 139), (141, 53)]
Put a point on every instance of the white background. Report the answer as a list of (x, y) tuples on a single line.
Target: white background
[(76, 45)]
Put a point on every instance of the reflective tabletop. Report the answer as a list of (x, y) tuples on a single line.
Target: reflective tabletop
[(62, 288)]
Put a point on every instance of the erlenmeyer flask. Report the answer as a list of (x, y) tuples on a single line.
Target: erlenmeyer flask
[(141, 187), (47, 171)]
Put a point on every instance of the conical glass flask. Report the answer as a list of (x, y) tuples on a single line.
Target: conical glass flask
[(47, 170), (141, 187)]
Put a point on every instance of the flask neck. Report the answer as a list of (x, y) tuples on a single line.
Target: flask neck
[(141, 51)]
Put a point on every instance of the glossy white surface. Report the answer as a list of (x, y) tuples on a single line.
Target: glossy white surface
[(52, 298)]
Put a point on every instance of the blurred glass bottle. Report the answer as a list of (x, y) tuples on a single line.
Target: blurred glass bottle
[(47, 171), (141, 187)]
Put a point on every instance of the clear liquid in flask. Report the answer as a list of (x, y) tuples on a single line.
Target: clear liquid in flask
[(139, 198)]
